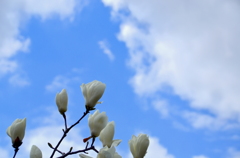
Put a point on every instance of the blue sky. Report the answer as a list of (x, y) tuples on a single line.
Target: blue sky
[(171, 70)]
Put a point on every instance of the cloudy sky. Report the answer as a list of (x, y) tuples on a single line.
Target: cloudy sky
[(172, 71)]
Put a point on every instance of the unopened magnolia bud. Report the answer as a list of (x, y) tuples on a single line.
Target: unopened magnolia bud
[(35, 152), (62, 101), (17, 131), (97, 122), (105, 152), (108, 152), (84, 156), (107, 134), (138, 145)]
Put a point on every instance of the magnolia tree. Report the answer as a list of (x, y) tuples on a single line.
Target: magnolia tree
[(97, 122)]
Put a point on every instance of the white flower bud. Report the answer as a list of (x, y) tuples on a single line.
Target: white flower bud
[(138, 145), (17, 131), (35, 152), (106, 135), (97, 122), (116, 155), (92, 92), (106, 152), (84, 156), (62, 101)]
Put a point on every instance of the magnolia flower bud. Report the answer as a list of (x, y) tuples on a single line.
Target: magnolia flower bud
[(35, 152), (84, 156), (105, 152), (108, 152), (17, 131), (62, 101), (97, 122), (138, 145), (92, 92), (106, 135)]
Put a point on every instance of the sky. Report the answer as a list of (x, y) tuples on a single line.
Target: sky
[(171, 70)]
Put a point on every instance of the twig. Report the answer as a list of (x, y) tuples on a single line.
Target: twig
[(78, 151), (65, 121), (50, 145), (15, 152), (93, 140)]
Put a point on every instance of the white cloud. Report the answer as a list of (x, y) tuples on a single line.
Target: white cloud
[(199, 120), (46, 9), (4, 152), (233, 153), (200, 156), (7, 66), (155, 148), (63, 81), (105, 47), (18, 80), (162, 107), (235, 137), (180, 126), (59, 82), (16, 13), (191, 47)]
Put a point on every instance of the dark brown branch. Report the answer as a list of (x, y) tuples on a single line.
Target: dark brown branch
[(78, 151), (15, 152)]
